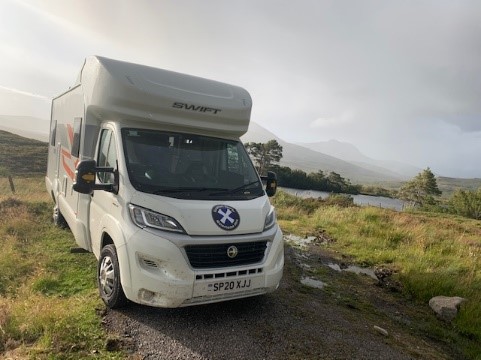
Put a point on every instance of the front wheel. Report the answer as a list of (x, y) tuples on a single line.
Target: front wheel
[(108, 273)]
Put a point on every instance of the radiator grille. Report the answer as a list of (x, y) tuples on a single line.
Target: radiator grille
[(215, 256)]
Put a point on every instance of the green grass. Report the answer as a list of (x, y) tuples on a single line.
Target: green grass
[(431, 254), (49, 304), (20, 156), (49, 307)]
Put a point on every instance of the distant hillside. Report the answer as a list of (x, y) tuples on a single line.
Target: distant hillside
[(26, 126), (21, 156), (299, 157), (350, 153), (449, 185)]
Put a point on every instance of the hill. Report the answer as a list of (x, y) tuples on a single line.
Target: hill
[(22, 156), (350, 153), (26, 126), (299, 157), (349, 162), (449, 185)]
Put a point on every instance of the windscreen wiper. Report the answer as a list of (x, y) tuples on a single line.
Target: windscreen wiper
[(236, 190), (183, 190)]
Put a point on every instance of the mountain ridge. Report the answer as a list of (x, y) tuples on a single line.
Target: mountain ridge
[(308, 160), (348, 152), (343, 158)]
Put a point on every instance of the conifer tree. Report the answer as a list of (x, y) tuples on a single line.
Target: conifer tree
[(264, 154), (421, 190)]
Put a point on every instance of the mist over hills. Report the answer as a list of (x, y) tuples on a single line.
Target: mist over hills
[(26, 126), (332, 155), (350, 153), (342, 158)]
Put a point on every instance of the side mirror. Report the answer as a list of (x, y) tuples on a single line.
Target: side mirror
[(85, 178), (271, 183)]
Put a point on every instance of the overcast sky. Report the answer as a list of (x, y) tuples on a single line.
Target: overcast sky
[(400, 80)]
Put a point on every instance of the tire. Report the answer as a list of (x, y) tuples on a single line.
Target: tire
[(58, 219), (108, 275)]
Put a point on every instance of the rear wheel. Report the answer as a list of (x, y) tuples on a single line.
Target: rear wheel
[(58, 218), (108, 273)]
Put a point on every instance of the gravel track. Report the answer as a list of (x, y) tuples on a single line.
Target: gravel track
[(294, 322)]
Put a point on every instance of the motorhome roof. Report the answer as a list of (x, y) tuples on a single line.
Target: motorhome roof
[(118, 90)]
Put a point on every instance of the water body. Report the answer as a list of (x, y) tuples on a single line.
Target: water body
[(317, 284), (362, 200), (303, 243), (354, 269)]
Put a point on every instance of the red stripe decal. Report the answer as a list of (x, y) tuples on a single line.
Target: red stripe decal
[(67, 168), (66, 154), (70, 133)]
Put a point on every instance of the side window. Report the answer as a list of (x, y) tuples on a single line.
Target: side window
[(77, 126), (107, 156), (53, 132)]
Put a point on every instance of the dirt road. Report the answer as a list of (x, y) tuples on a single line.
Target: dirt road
[(344, 320)]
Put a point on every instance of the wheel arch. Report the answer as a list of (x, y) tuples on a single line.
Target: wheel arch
[(106, 240), (113, 236)]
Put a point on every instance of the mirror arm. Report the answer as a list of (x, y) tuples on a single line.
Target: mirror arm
[(85, 178), (113, 188)]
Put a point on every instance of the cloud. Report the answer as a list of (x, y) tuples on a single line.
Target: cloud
[(342, 120), (26, 93), (397, 79), (23, 103)]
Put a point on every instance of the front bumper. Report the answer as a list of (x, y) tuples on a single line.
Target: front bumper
[(155, 271)]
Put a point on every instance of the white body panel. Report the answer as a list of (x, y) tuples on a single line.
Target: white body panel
[(154, 265), (117, 90)]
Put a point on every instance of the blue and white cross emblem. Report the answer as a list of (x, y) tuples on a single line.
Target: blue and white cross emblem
[(225, 217)]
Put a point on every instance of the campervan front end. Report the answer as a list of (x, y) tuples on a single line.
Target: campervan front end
[(147, 169)]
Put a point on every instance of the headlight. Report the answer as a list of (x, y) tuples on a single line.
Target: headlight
[(270, 219), (146, 218)]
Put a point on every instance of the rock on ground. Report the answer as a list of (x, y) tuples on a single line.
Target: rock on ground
[(446, 308)]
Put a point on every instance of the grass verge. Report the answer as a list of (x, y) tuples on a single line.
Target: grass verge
[(49, 308), (430, 255)]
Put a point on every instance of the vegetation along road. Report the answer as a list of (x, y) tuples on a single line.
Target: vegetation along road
[(49, 306)]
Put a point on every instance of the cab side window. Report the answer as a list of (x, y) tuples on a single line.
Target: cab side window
[(107, 156), (233, 161)]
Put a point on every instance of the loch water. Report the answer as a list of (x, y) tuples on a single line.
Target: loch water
[(362, 200)]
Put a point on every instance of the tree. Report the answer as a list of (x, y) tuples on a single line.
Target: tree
[(264, 154), (336, 182), (466, 203), (421, 190), (318, 181)]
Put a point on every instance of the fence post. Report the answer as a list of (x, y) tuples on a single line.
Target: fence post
[(12, 186)]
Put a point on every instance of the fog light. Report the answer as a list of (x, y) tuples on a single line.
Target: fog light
[(148, 297)]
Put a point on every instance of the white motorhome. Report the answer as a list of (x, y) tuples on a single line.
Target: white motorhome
[(146, 168)]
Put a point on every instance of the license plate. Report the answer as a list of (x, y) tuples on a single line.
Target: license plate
[(232, 285), (228, 286)]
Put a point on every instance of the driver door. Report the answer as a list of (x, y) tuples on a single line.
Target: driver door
[(104, 207)]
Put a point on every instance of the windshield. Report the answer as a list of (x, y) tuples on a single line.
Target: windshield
[(189, 166)]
